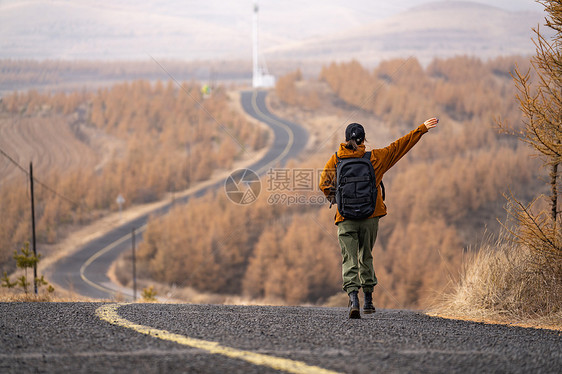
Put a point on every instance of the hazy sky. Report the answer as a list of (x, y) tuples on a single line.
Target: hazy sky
[(401, 5), (328, 15), (190, 28), (385, 8)]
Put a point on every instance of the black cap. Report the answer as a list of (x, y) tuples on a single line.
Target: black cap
[(356, 132)]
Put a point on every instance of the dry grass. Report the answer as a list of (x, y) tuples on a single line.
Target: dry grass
[(507, 283), (12, 296)]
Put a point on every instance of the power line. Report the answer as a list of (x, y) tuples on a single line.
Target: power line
[(53, 191), (13, 161)]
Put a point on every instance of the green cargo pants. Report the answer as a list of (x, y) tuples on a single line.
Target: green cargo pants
[(357, 239)]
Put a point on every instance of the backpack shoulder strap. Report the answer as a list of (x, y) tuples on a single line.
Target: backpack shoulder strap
[(367, 155)]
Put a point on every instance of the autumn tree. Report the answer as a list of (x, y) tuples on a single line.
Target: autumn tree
[(541, 105)]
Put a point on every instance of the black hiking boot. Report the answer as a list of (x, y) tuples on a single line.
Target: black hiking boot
[(354, 311), (368, 307)]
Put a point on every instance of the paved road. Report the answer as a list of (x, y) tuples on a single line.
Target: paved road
[(174, 338), (85, 271)]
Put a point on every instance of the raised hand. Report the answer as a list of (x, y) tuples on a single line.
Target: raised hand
[(431, 123)]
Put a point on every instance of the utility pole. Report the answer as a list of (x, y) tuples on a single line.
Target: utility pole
[(256, 74), (33, 227), (134, 268), (260, 76)]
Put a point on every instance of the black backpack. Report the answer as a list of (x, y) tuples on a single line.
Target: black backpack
[(356, 191)]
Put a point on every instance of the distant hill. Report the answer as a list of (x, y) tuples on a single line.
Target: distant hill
[(439, 29), (313, 30), (118, 30)]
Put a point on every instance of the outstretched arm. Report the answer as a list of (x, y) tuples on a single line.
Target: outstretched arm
[(390, 155)]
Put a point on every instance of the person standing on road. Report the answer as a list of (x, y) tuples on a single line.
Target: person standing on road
[(357, 236)]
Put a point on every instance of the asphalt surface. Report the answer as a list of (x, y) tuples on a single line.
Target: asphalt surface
[(70, 337), (87, 275)]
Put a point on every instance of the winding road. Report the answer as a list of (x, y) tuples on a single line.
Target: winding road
[(85, 271)]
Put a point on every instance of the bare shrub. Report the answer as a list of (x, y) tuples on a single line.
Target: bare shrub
[(507, 282)]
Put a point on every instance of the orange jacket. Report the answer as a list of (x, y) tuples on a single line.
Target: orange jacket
[(382, 160)]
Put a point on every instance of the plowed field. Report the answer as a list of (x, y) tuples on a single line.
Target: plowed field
[(47, 141)]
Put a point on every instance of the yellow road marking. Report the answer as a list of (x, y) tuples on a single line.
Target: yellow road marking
[(109, 314), (99, 253)]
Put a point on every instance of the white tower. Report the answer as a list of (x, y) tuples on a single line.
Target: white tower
[(260, 77)]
